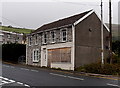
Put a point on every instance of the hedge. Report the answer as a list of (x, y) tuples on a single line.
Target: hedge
[(116, 47), (108, 69)]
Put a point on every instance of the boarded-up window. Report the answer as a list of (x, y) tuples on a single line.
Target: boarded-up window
[(59, 55), (65, 54)]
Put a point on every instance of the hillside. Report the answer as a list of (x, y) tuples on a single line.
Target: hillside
[(17, 30)]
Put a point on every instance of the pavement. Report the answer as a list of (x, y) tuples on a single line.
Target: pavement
[(27, 76)]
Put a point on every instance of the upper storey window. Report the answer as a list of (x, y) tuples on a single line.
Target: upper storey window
[(64, 35), (44, 38), (30, 41), (36, 40), (52, 36)]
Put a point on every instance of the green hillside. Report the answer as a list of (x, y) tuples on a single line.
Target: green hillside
[(17, 30)]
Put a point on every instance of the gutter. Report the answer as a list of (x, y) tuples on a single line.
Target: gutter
[(51, 29)]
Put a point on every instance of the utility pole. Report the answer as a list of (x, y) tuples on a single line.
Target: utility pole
[(102, 42), (110, 27)]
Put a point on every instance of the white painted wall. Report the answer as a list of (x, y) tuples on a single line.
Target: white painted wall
[(73, 48), (43, 60), (63, 65), (61, 45)]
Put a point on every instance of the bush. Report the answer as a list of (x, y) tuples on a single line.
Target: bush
[(116, 47), (11, 52), (116, 59), (108, 69), (115, 53)]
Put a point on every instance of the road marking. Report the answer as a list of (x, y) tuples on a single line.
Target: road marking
[(75, 78), (34, 70), (23, 84), (12, 80), (58, 75), (26, 85), (28, 70), (5, 81), (113, 85), (24, 69), (8, 81), (4, 78), (20, 83), (71, 77)]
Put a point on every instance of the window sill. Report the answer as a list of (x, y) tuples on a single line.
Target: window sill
[(63, 41), (52, 42), (36, 61), (44, 43), (36, 44)]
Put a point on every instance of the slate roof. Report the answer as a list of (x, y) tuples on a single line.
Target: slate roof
[(62, 22)]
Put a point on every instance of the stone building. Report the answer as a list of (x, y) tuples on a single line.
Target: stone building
[(11, 37), (67, 43)]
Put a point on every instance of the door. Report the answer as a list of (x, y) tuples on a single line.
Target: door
[(44, 57)]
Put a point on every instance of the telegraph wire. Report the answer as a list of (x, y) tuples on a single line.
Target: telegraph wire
[(11, 21)]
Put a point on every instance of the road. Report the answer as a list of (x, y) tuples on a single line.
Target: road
[(29, 77)]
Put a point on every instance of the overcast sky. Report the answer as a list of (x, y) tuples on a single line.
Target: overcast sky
[(34, 13)]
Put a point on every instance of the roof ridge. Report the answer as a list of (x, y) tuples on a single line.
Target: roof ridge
[(68, 17), (63, 22)]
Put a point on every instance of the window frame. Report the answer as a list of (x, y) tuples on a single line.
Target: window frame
[(30, 41), (36, 39), (36, 57), (51, 37), (8, 36), (45, 33), (61, 31)]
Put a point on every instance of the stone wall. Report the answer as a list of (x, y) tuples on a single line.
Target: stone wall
[(12, 38), (39, 39)]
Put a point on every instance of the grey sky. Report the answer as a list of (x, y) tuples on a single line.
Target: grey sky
[(34, 14), (119, 13)]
